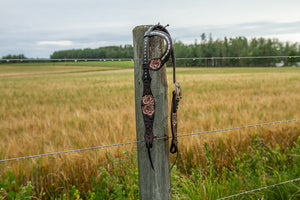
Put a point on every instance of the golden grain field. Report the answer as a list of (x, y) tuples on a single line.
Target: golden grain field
[(52, 108)]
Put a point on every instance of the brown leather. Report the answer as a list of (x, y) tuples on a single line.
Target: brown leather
[(148, 101)]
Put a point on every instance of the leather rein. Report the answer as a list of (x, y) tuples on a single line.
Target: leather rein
[(148, 101)]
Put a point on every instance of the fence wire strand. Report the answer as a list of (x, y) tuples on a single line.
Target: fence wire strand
[(132, 59), (135, 142), (68, 151), (241, 127), (258, 189)]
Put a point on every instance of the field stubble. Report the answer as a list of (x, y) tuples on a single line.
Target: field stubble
[(51, 111)]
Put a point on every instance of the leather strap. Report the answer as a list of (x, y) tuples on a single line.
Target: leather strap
[(148, 101)]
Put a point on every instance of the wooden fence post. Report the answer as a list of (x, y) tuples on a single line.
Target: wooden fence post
[(153, 184)]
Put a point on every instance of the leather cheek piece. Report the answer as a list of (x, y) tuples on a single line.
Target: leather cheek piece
[(148, 101)]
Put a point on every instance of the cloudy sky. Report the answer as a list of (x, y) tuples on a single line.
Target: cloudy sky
[(37, 28)]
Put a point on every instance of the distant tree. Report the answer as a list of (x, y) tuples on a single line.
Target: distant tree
[(203, 38), (101, 53), (210, 38), (19, 56)]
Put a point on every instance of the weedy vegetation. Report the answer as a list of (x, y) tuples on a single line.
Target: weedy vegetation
[(52, 107)]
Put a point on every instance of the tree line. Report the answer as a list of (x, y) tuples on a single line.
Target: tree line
[(12, 56), (226, 52), (125, 51), (212, 52), (219, 52)]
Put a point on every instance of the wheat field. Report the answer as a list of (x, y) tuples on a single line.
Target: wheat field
[(47, 108)]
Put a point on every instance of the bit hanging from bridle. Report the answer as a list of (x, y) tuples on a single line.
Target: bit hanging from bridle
[(148, 101)]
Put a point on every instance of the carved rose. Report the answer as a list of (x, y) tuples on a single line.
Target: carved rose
[(148, 100), (148, 105), (148, 110), (155, 64)]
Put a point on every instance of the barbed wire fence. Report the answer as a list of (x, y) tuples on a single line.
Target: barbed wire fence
[(179, 136), (234, 61), (259, 189), (131, 59), (135, 142), (163, 138)]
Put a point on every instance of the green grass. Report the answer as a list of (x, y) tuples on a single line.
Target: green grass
[(72, 63), (262, 166), (237, 70)]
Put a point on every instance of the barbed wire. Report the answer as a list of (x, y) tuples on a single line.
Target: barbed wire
[(132, 59), (236, 57), (158, 138), (67, 59), (258, 189), (241, 127), (68, 151)]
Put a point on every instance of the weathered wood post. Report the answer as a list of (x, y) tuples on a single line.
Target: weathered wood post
[(153, 184)]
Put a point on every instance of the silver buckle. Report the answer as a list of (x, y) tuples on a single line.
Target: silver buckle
[(178, 91)]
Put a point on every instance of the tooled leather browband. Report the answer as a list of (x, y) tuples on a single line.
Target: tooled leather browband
[(148, 100)]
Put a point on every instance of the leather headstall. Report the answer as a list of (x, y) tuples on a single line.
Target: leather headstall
[(148, 101)]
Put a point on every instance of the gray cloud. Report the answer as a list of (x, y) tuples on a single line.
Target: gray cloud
[(42, 43), (253, 29), (37, 28)]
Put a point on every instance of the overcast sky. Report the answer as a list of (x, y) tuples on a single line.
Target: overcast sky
[(37, 28)]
